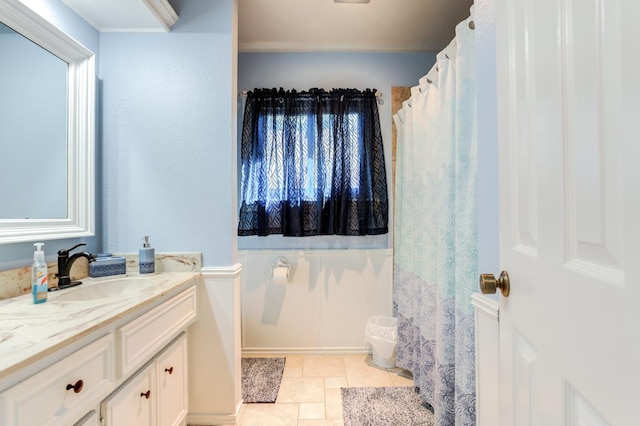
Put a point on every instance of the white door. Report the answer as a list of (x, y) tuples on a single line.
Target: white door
[(569, 135)]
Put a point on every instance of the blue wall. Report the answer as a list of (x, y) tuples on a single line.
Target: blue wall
[(168, 122), (302, 71), (488, 195), (56, 12)]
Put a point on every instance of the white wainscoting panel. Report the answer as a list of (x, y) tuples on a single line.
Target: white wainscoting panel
[(214, 349), (487, 359), (325, 306)]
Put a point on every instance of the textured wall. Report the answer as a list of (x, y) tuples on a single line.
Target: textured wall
[(488, 253), (169, 151)]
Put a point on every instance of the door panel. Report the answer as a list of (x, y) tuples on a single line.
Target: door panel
[(592, 111), (580, 412), (525, 357), (524, 175)]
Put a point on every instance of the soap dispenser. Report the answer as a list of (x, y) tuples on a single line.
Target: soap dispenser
[(147, 257), (39, 277)]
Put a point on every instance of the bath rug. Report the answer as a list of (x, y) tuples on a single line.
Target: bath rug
[(261, 379), (384, 406)]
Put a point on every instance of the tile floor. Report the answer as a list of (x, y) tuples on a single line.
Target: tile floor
[(310, 390)]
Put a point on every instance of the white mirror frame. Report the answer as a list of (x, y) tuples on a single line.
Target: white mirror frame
[(80, 220)]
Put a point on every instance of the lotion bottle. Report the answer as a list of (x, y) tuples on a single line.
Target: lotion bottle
[(147, 257), (39, 277)]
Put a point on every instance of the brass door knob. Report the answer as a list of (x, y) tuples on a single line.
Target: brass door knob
[(489, 284)]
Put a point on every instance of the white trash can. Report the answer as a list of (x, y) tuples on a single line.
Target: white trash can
[(381, 334)]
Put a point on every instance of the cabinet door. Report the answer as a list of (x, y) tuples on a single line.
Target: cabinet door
[(171, 374), (134, 404)]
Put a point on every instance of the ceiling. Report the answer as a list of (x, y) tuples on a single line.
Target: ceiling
[(322, 25), (304, 25)]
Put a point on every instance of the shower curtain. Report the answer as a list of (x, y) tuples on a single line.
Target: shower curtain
[(435, 245)]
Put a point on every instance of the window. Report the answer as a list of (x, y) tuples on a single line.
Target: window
[(312, 164)]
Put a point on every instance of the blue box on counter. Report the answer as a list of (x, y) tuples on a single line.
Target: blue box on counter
[(107, 265)]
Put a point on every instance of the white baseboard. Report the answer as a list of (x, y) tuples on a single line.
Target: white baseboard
[(305, 351), (214, 419), (211, 419)]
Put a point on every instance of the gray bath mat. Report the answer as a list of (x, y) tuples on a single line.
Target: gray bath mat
[(384, 406), (261, 379)]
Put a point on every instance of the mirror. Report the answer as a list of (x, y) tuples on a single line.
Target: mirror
[(33, 83), (47, 137)]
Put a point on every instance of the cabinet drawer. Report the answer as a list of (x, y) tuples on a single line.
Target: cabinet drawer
[(134, 402), (145, 336), (49, 397)]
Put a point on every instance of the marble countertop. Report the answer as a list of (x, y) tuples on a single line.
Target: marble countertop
[(29, 332)]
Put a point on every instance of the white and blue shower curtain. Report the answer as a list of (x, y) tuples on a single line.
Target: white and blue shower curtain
[(435, 244)]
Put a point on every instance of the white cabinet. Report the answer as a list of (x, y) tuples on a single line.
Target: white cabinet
[(156, 395), (63, 392), (69, 391)]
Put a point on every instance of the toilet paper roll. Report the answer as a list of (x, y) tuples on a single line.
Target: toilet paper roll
[(280, 275)]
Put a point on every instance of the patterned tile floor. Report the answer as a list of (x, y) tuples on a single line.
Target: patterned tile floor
[(310, 390)]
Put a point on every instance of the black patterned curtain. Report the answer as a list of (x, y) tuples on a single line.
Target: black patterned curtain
[(312, 164)]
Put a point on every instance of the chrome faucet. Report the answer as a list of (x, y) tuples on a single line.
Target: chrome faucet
[(64, 265)]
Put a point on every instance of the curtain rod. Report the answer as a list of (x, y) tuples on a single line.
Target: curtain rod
[(377, 94)]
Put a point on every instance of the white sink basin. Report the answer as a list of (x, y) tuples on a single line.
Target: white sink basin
[(117, 287)]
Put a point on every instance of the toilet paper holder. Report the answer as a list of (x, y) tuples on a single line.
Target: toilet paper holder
[(280, 264)]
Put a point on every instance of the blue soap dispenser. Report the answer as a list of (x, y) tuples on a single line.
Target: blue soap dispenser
[(39, 276), (147, 257)]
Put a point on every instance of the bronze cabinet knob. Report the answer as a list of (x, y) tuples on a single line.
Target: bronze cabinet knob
[(77, 387)]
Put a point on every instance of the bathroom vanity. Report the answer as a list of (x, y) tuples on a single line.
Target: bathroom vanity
[(96, 354)]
